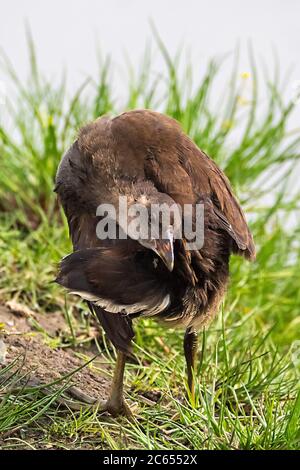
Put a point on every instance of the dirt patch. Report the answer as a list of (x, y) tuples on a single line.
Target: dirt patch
[(41, 363)]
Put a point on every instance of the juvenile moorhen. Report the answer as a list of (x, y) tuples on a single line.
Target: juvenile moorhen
[(146, 157)]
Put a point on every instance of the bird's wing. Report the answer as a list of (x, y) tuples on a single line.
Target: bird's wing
[(71, 184), (189, 176), (179, 168)]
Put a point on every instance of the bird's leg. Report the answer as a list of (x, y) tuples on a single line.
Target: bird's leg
[(116, 404), (190, 346)]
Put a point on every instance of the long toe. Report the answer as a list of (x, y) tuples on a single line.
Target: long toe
[(115, 408)]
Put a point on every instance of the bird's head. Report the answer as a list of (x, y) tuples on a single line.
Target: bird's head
[(155, 221)]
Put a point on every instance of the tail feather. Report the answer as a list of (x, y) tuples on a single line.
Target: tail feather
[(118, 328), (116, 287)]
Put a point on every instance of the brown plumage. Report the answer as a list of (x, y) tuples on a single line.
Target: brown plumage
[(146, 157)]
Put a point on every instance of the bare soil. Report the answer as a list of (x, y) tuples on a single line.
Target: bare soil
[(41, 363)]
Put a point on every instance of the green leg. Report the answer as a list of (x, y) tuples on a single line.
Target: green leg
[(116, 404), (190, 346)]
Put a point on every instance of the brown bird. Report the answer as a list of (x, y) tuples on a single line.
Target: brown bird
[(146, 157)]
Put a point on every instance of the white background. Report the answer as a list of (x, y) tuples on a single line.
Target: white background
[(66, 32)]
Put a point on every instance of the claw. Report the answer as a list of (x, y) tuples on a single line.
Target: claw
[(115, 408), (112, 406)]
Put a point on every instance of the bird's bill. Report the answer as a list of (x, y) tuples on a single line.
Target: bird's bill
[(163, 247), (165, 250)]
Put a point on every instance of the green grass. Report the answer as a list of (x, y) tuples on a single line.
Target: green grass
[(247, 379)]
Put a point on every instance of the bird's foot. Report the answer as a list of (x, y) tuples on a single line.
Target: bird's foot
[(115, 408)]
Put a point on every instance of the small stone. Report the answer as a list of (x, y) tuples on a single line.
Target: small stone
[(3, 352)]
